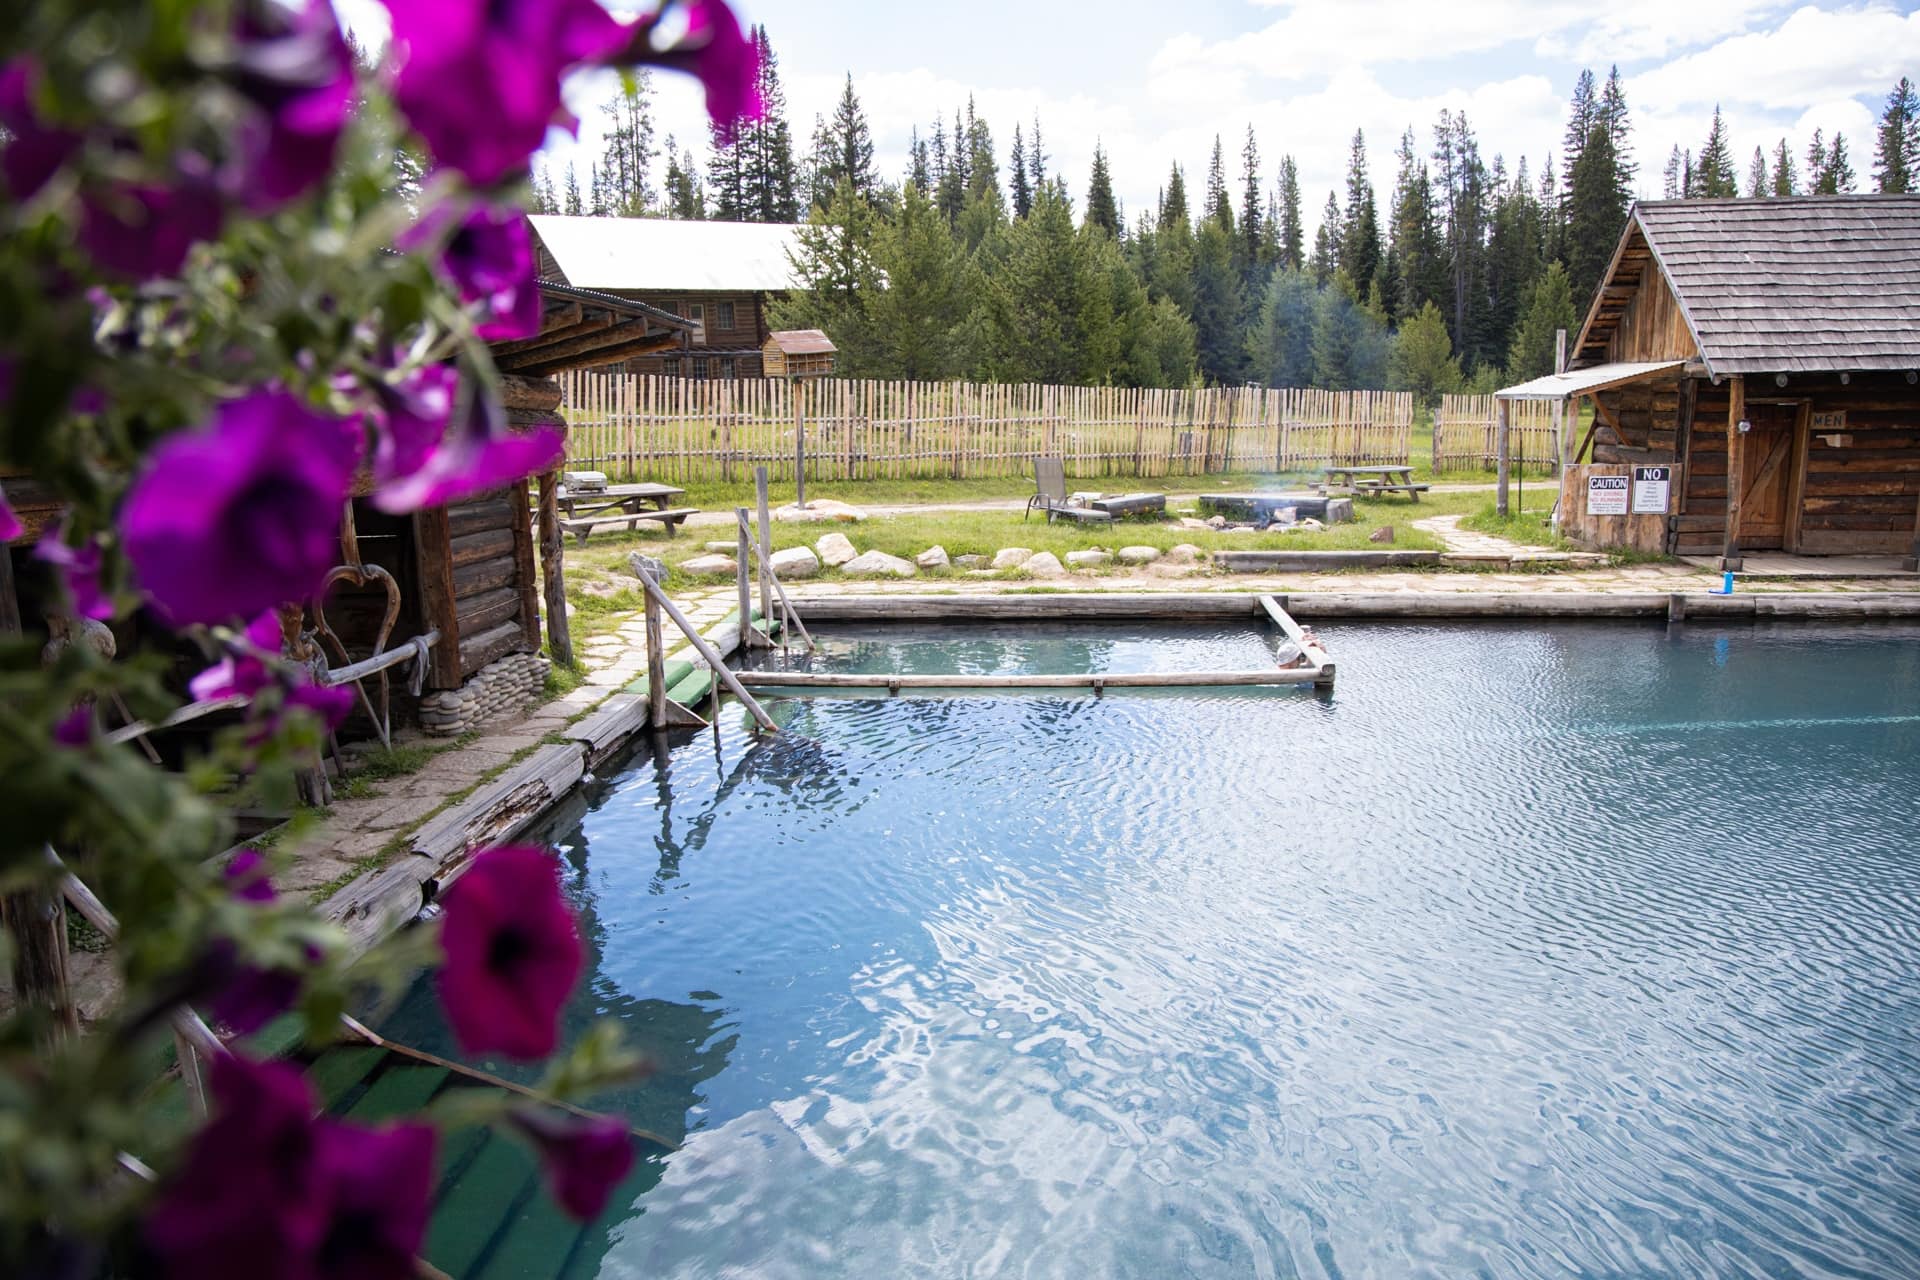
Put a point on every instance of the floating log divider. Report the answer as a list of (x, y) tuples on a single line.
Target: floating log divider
[(1084, 680)]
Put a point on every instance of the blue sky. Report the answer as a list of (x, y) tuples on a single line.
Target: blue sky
[(1155, 83)]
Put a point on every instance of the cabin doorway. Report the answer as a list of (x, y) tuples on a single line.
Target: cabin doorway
[(1768, 458)]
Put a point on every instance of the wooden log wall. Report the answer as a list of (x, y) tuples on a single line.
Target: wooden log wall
[(478, 583), (1463, 435), (1638, 423), (680, 430)]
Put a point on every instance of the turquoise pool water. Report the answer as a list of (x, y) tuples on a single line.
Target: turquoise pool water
[(1571, 950)]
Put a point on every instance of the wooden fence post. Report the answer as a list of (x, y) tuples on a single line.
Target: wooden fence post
[(553, 577), (1502, 427)]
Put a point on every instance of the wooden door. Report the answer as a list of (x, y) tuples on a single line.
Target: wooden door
[(1766, 475)]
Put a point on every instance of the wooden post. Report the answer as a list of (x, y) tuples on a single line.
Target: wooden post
[(707, 654), (9, 602), (1736, 463), (745, 546), (656, 665), (1503, 422), (799, 446), (553, 575), (1912, 563), (766, 541), (1560, 406), (36, 923)]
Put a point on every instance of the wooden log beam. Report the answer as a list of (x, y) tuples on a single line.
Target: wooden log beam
[(603, 355), (1736, 460), (504, 352), (538, 395), (1077, 680), (553, 352), (555, 323), (553, 573)]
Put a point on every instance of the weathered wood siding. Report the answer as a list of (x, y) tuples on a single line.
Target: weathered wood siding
[(1644, 426), (1652, 326)]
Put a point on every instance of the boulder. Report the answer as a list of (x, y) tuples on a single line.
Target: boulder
[(794, 562), (1188, 522), (820, 510), (1088, 559), (1139, 555), (709, 566), (933, 558), (1216, 522), (1383, 534), (834, 550), (1044, 565), (723, 548), (969, 562), (599, 590), (1184, 553), (877, 564), (1011, 557), (1339, 511)]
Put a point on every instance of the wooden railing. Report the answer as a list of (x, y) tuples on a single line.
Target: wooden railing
[(1463, 435), (678, 430)]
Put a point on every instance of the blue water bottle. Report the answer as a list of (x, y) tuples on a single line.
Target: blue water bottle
[(1726, 582)]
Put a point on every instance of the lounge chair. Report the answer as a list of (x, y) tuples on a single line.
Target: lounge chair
[(1050, 494)]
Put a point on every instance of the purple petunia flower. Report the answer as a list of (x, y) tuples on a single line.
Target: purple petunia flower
[(703, 38), (479, 454), (379, 1187), (332, 703), (512, 954), (247, 1196), (247, 877), (241, 673), (297, 71), (143, 230), (584, 1159), (79, 571), (75, 729), (34, 150), (246, 997), (488, 257), (518, 49), (242, 516), (410, 418)]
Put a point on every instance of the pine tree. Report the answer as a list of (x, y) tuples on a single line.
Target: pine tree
[(1219, 207), (983, 168), (1594, 215), (1047, 308), (1359, 250), (1612, 112), (1716, 176), (1017, 176), (919, 321), (1036, 159), (848, 154), (1897, 153), (919, 172), (1249, 242), (1102, 213), (1350, 343), (1460, 179), (727, 196), (624, 186), (1420, 269), (1216, 308), (1280, 347), (1836, 177), (1293, 234), (765, 147), (1817, 163), (1758, 183), (1581, 113), (1675, 175), (544, 199), (951, 195), (1553, 215), (1549, 308), (1326, 243), (1783, 176), (1513, 254), (572, 202), (684, 198), (1173, 202), (1422, 359)]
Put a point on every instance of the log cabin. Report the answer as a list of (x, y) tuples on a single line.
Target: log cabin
[(1753, 365), (717, 276)]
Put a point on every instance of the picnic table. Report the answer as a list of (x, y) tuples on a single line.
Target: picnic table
[(585, 509), (1375, 480)]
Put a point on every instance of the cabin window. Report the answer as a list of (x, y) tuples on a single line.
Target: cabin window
[(728, 369), (674, 308), (723, 315), (697, 312), (670, 368), (699, 366)]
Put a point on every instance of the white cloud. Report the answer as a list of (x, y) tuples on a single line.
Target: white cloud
[(1814, 54)]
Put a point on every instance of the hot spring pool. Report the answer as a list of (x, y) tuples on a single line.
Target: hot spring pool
[(1527, 952)]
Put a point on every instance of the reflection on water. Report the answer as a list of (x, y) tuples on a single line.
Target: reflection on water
[(1529, 952)]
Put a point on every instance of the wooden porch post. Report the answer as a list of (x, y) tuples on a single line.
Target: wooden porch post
[(1912, 563), (1502, 431), (1736, 465), (1560, 441), (553, 572)]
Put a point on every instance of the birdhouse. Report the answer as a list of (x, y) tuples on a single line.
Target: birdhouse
[(798, 353)]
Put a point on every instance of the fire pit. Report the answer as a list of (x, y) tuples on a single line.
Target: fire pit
[(1275, 510)]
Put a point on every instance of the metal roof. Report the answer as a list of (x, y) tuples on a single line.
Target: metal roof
[(663, 253), (1576, 382), (1794, 284), (802, 342)]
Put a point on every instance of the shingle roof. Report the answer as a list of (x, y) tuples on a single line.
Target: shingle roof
[(1796, 284), (662, 253)]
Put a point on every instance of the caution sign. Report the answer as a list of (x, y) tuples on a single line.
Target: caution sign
[(1607, 495), (1652, 488)]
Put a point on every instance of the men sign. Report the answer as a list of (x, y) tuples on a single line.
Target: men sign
[(1652, 487), (1607, 495)]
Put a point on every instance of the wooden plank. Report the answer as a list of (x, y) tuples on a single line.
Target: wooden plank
[(438, 595), (472, 579), (1797, 475), (489, 609), (538, 395), (553, 580), (475, 1211), (400, 1089), (496, 642), (1113, 680), (526, 574), (1736, 411), (493, 511), (487, 544)]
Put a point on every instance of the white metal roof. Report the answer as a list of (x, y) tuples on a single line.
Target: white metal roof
[(662, 253), (1559, 386)]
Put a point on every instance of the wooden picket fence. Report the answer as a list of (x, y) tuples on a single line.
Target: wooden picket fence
[(678, 430), (1464, 435)]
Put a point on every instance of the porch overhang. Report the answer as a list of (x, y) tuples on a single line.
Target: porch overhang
[(1583, 382)]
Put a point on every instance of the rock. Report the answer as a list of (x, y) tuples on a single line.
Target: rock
[(877, 564), (1185, 553), (1164, 568), (1245, 528), (709, 566), (1339, 511), (969, 562), (1383, 534), (1088, 559), (1188, 522), (599, 590), (646, 566), (1310, 523), (1139, 555), (983, 573), (1216, 522), (795, 562), (819, 511), (933, 558), (1044, 565), (1011, 557), (834, 550), (723, 548)]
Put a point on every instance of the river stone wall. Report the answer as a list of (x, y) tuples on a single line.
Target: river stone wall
[(507, 685)]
